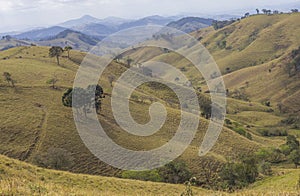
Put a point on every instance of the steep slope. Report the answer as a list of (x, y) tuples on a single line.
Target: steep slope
[(253, 41), (256, 50), (253, 54)]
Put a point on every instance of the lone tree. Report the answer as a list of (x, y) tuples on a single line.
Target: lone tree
[(52, 81), (84, 98), (129, 61), (257, 10), (8, 78), (56, 51), (68, 49)]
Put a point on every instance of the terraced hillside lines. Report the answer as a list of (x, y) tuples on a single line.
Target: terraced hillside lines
[(18, 178), (40, 135)]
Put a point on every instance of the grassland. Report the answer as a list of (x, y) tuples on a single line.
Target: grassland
[(33, 119)]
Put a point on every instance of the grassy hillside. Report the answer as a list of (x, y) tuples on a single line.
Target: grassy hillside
[(33, 119), (19, 178), (252, 54)]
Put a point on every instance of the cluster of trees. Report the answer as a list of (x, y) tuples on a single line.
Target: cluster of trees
[(290, 152), (268, 12), (85, 99), (175, 172), (232, 175), (238, 174), (57, 51)]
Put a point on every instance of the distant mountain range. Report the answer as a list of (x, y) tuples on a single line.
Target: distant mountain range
[(87, 19), (85, 32), (39, 34), (75, 39), (190, 24)]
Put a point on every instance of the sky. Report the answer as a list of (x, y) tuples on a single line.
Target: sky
[(22, 14)]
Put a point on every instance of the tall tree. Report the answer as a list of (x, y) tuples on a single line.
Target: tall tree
[(257, 10), (56, 51), (84, 98), (129, 61), (68, 48)]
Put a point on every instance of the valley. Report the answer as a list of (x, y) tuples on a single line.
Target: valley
[(258, 57)]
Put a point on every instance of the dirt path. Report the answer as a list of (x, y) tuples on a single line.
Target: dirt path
[(40, 136)]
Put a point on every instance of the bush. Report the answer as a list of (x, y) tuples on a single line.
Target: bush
[(242, 132), (240, 174), (175, 172), (55, 158), (273, 132)]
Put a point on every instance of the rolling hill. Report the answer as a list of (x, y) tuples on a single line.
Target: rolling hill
[(8, 42), (190, 24), (252, 54), (19, 178), (51, 123)]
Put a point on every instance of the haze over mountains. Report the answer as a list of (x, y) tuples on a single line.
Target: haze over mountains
[(87, 31)]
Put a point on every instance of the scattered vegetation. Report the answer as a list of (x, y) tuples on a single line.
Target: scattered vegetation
[(56, 51), (8, 78)]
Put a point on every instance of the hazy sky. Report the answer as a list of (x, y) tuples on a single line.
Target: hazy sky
[(16, 14)]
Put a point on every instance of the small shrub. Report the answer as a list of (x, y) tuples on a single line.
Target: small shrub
[(54, 158)]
